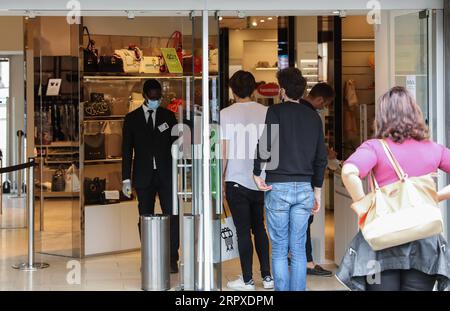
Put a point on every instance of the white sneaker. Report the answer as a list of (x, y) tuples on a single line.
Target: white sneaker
[(239, 284), (268, 282)]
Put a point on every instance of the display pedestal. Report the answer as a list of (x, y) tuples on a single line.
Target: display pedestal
[(111, 228)]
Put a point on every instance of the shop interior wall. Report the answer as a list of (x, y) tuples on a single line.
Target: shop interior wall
[(248, 46), (11, 44)]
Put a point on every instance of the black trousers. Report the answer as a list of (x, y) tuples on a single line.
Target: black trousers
[(146, 198), (309, 256), (403, 280), (247, 209)]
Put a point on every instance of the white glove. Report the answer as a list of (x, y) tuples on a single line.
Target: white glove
[(126, 188)]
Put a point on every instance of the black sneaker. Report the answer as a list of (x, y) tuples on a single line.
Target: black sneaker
[(319, 271)]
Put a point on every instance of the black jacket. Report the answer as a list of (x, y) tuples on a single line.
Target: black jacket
[(296, 152), (147, 144)]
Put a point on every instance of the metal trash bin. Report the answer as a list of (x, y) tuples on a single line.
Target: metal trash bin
[(155, 248)]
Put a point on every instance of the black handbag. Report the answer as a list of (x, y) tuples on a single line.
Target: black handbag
[(93, 189), (59, 180), (6, 187), (90, 54), (110, 64), (94, 146)]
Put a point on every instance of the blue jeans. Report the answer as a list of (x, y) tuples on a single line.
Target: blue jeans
[(288, 207)]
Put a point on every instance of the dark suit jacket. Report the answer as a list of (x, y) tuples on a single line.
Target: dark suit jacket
[(147, 144)]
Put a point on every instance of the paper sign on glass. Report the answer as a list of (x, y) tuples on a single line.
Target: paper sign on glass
[(172, 61), (53, 87)]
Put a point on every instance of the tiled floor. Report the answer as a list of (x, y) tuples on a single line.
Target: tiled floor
[(110, 272)]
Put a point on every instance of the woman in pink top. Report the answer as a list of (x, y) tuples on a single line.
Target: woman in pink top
[(412, 266)]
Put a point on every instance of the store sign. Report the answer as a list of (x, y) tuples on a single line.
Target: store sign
[(269, 89), (171, 58), (411, 85)]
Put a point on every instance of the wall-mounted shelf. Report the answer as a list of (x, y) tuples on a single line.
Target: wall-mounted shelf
[(118, 160), (104, 118), (62, 194), (118, 76), (266, 69)]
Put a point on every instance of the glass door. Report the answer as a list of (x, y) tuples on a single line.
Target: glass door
[(197, 172), (410, 68)]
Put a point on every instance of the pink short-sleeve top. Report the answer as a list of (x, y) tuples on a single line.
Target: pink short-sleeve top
[(416, 158)]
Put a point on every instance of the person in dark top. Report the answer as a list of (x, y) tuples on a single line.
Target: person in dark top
[(292, 152), (147, 135), (320, 97)]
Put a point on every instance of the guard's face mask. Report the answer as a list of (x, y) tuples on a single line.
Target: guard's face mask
[(153, 103)]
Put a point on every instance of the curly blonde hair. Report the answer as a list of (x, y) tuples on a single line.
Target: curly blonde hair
[(398, 117)]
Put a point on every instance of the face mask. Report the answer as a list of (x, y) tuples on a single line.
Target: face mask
[(153, 104)]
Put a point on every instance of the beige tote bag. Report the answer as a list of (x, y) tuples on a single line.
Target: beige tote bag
[(401, 212)]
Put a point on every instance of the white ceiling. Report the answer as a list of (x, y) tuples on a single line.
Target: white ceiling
[(228, 8)]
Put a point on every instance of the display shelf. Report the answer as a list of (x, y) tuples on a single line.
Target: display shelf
[(118, 160), (266, 69), (59, 144), (60, 161), (52, 194), (121, 75), (128, 203), (104, 118)]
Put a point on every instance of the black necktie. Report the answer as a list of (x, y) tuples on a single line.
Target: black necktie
[(150, 120)]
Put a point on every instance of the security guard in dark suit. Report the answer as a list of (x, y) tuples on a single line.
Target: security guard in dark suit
[(147, 133)]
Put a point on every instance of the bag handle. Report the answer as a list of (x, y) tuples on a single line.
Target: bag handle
[(90, 45), (373, 182), (176, 37), (398, 169)]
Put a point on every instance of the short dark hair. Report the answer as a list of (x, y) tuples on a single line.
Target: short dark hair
[(152, 89), (243, 83), (322, 89), (291, 80)]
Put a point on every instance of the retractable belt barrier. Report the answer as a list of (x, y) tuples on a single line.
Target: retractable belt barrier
[(30, 265)]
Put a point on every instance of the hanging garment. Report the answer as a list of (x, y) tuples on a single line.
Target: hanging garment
[(350, 94)]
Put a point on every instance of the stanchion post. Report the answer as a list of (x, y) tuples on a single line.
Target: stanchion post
[(19, 161), (30, 265)]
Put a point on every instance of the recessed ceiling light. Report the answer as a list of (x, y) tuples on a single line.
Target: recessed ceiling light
[(254, 24), (270, 18), (220, 18), (262, 21), (336, 12)]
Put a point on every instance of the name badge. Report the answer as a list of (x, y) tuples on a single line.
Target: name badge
[(163, 127)]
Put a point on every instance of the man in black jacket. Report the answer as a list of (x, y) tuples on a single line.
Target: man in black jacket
[(147, 135), (293, 149)]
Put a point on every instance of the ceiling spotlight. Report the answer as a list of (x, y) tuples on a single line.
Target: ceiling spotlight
[(241, 14), (254, 24), (220, 18), (130, 14), (342, 13), (262, 21), (336, 12), (270, 18)]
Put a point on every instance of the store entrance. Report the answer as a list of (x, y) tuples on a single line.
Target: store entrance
[(332, 49)]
